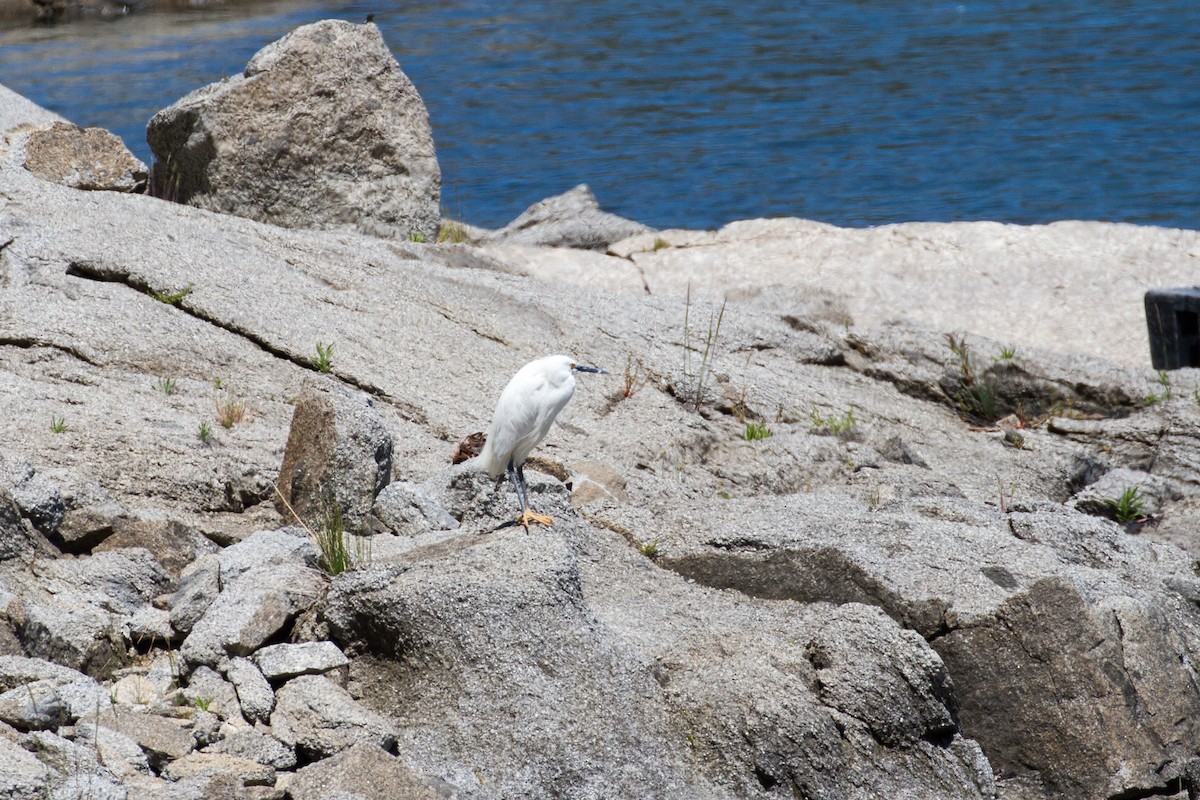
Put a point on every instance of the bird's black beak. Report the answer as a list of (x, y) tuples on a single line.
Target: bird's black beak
[(586, 368)]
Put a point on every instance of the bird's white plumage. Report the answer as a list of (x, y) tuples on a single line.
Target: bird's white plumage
[(526, 410)]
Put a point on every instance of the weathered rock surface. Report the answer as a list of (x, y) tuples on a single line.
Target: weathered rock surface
[(283, 661), (253, 691), (259, 747), (319, 719), (894, 594), (262, 144), (21, 774), (407, 509), (361, 771), (84, 613), (83, 158), (459, 635), (249, 611)]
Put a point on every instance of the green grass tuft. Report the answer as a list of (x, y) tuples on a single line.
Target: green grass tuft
[(324, 360), (835, 425), (59, 425), (759, 430), (1129, 506), (172, 298)]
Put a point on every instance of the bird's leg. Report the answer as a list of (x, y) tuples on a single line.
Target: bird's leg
[(527, 516), (516, 482)]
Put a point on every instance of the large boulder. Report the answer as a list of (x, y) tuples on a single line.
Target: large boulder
[(560, 662), (322, 130), (1042, 602), (338, 457)]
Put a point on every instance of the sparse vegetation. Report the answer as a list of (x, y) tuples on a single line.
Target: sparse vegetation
[(164, 181), (217, 382), (59, 425), (633, 376), (977, 397), (205, 432), (330, 538), (759, 430), (172, 298), (203, 703), (230, 412), (835, 425), (451, 232), (324, 360), (648, 549), (1129, 506), (697, 378), (1007, 353), (166, 385), (416, 236), (660, 244), (1164, 380)]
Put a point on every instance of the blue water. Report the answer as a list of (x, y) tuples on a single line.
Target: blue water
[(693, 114)]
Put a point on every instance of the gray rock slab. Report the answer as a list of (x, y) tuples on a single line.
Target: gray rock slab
[(84, 613), (259, 144), (206, 689), (571, 219), (319, 718), (989, 576), (492, 627), (362, 771), (17, 670), (19, 540), (116, 750), (33, 706), (256, 746), (285, 661), (254, 692), (290, 546), (37, 498), (76, 772), (162, 739), (245, 771)]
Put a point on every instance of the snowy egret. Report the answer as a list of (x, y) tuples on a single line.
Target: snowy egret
[(527, 408)]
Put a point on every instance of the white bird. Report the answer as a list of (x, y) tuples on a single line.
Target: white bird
[(524, 414)]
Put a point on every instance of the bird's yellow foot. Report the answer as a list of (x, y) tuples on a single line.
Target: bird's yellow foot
[(528, 516)]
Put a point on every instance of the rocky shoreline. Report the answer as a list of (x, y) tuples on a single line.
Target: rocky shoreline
[(893, 513)]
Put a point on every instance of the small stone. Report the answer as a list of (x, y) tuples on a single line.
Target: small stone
[(249, 773), (136, 690), (290, 660), (256, 746), (33, 706), (83, 158), (253, 691)]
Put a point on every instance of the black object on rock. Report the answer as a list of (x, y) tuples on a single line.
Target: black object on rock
[(1173, 318)]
